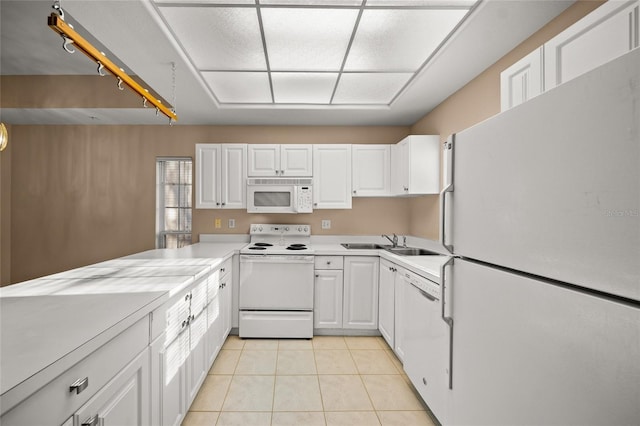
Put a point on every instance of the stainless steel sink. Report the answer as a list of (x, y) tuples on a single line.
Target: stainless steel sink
[(361, 246), (410, 251)]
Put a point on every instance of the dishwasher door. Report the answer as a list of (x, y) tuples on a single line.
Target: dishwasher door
[(426, 344)]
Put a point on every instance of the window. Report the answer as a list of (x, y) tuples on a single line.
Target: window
[(173, 202)]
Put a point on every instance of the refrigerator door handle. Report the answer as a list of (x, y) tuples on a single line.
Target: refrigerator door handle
[(447, 318), (447, 162)]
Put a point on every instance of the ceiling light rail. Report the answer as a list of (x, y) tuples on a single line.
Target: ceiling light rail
[(56, 23)]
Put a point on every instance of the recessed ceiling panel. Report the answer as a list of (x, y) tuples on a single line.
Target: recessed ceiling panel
[(307, 39), (369, 88), (399, 40), (218, 38), (239, 87), (208, 1), (422, 3), (303, 88), (312, 2)]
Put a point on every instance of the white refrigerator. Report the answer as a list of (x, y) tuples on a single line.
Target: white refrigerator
[(541, 210)]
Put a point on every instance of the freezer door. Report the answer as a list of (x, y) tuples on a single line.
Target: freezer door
[(552, 186), (527, 352)]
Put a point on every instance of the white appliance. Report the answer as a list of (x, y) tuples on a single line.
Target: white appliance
[(425, 339), (279, 195), (541, 209), (276, 282)]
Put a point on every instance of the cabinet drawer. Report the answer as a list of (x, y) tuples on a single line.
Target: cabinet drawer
[(226, 267), (329, 262), (176, 316), (54, 403)]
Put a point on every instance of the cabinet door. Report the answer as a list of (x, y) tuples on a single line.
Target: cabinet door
[(208, 176), (400, 168), (296, 160), (416, 160), (332, 176), (386, 300), (327, 304), (125, 400), (173, 386), (371, 170), (522, 81), (360, 308), (226, 296), (606, 33), (263, 160), (214, 331), (196, 365), (399, 316), (234, 176)]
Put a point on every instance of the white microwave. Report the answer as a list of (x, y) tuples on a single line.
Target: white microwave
[(279, 195)]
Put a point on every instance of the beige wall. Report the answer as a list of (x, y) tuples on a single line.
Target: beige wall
[(81, 194), (5, 212), (475, 102)]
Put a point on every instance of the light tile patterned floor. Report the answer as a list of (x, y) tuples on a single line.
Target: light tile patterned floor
[(326, 381)]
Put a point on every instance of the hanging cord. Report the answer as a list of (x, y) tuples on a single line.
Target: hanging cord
[(173, 88)]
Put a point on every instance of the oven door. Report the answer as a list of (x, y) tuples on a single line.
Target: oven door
[(276, 282), (271, 199)]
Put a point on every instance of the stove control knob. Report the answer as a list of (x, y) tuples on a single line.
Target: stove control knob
[(306, 229), (286, 229), (299, 228), (260, 229)]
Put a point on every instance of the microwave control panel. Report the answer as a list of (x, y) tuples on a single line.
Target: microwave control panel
[(305, 200)]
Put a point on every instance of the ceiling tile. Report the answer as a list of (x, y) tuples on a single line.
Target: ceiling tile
[(303, 88), (208, 1), (307, 39), (399, 40), (312, 2), (218, 38), (239, 87), (369, 88), (422, 3)]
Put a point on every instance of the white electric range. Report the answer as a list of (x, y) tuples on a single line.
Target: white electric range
[(276, 282)]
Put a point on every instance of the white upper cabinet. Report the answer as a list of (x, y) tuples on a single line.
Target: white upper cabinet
[(280, 160), (522, 81), (415, 162), (606, 33), (332, 176), (371, 170), (221, 176)]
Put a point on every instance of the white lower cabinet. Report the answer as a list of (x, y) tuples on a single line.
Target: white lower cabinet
[(123, 401), (399, 318), (327, 309), (386, 301), (360, 297), (346, 292), (185, 361), (111, 384)]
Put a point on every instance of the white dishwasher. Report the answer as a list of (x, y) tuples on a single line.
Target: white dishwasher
[(426, 343)]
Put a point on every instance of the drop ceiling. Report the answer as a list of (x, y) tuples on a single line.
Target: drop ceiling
[(317, 62)]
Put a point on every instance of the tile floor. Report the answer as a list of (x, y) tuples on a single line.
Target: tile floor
[(329, 380)]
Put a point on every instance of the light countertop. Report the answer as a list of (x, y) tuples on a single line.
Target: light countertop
[(121, 291)]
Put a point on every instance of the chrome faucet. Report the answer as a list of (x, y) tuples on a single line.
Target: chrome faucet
[(394, 241)]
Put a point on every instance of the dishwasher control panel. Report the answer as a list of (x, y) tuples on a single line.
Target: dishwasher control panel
[(424, 284)]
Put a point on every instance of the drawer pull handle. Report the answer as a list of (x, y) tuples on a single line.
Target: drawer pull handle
[(93, 421), (79, 385)]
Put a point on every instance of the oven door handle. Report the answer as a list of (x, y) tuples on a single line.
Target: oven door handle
[(263, 258)]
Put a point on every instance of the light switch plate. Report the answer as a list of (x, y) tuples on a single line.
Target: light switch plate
[(326, 224), (232, 223), (218, 223)]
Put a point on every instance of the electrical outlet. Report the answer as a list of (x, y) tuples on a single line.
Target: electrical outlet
[(232, 223), (218, 223), (326, 224)]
